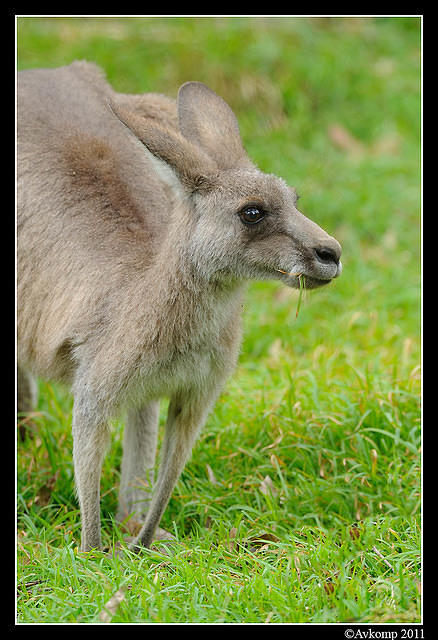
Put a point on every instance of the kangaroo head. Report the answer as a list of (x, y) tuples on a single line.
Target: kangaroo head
[(243, 223)]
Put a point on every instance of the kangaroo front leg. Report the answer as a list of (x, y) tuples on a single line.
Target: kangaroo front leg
[(185, 418), (139, 449), (90, 437)]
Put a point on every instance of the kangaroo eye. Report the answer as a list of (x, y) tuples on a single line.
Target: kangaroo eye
[(251, 215)]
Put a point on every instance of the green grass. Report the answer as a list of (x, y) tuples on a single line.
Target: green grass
[(315, 443)]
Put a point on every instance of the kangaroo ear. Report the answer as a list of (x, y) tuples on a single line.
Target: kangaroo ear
[(206, 120), (190, 163)]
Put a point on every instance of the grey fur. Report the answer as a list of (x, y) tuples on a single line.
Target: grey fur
[(132, 263)]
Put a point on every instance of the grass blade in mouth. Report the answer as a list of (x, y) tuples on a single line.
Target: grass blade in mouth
[(302, 282), (289, 273), (300, 297)]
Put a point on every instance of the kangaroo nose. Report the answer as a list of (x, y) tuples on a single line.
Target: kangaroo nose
[(329, 253)]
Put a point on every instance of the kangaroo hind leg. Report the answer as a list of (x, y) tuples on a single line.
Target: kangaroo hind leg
[(138, 462), (186, 415), (26, 400), (90, 439)]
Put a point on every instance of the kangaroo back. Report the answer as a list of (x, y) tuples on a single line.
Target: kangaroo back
[(91, 212)]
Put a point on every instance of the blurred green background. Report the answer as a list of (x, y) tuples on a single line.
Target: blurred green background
[(327, 405), (330, 104), (333, 106)]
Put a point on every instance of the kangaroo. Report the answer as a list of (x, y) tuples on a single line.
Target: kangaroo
[(140, 219)]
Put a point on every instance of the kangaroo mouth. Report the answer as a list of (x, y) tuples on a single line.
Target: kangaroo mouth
[(299, 278), (310, 282), (294, 279)]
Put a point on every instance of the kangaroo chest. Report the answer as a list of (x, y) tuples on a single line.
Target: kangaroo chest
[(194, 356)]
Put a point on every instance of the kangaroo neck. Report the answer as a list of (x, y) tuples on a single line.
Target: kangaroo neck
[(191, 305)]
